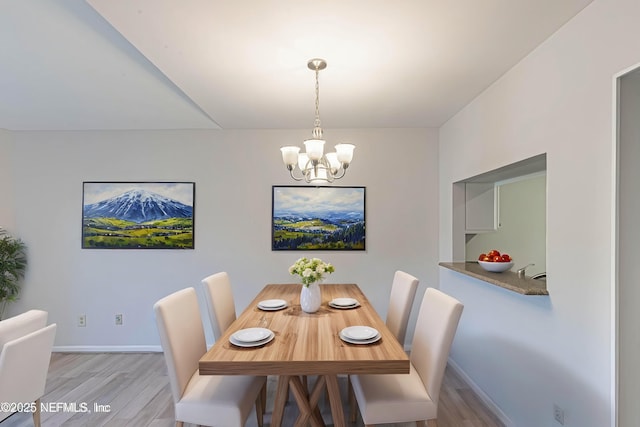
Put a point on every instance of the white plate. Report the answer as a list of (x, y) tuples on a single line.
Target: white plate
[(359, 333), (352, 341), (343, 307), (343, 302), (252, 344), (272, 304), (251, 335)]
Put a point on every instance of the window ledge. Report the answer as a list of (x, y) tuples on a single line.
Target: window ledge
[(507, 280)]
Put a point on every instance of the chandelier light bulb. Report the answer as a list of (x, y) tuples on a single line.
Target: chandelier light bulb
[(314, 148), (290, 155), (345, 152), (334, 163), (303, 160)]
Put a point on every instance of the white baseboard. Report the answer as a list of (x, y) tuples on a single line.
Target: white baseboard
[(107, 349), (481, 394)]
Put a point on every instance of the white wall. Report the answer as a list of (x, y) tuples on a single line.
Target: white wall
[(233, 172), (528, 353)]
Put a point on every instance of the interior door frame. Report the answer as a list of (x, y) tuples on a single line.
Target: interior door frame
[(615, 244)]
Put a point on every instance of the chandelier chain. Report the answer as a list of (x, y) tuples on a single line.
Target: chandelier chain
[(317, 129)]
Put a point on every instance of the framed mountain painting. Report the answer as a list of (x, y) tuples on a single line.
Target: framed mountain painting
[(318, 218), (138, 215)]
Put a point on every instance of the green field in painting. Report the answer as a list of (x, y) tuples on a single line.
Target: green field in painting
[(111, 233), (316, 234)]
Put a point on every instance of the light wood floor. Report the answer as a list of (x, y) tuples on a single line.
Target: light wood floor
[(136, 388)]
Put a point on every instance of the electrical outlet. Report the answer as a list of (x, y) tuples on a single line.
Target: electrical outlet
[(558, 414), (82, 320), (118, 319)]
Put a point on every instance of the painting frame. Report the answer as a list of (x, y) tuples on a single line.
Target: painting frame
[(318, 218), (138, 215)]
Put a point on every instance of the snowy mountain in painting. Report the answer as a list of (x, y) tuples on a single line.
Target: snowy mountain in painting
[(138, 206), (334, 217)]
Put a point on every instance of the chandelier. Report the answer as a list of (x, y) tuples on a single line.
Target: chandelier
[(314, 165)]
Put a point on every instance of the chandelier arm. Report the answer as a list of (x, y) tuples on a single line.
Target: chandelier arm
[(292, 175), (344, 171)]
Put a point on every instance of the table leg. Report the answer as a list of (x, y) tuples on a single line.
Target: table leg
[(317, 392), (280, 400), (307, 404), (334, 399)]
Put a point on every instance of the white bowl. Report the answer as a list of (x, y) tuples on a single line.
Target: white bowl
[(496, 267)]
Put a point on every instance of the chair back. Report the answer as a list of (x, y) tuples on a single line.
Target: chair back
[(403, 292), (22, 324), (435, 329), (25, 355), (220, 303), (181, 336)]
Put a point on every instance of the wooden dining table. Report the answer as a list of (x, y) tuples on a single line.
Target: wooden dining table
[(307, 344)]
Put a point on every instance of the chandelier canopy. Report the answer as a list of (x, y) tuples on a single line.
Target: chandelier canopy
[(314, 164)]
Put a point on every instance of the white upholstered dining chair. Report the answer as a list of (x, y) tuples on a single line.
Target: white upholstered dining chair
[(210, 400), (221, 307), (25, 353), (399, 398), (220, 302), (403, 292)]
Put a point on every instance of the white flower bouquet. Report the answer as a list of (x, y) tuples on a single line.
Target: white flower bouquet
[(311, 270)]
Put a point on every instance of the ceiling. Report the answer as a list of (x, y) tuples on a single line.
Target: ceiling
[(207, 64)]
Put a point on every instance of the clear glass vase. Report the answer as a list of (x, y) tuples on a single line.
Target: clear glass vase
[(310, 298)]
